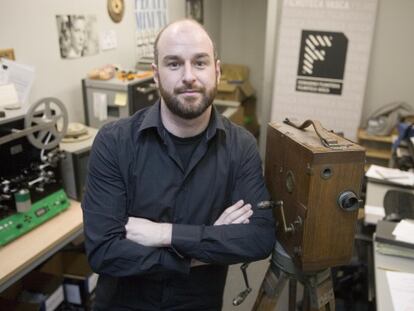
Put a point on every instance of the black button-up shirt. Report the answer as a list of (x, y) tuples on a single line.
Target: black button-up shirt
[(134, 170)]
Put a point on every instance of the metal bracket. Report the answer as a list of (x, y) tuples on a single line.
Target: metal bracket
[(291, 228)]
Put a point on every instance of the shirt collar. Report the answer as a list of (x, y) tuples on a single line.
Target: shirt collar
[(153, 120), (215, 124)]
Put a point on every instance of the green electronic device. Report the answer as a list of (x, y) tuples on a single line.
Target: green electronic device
[(18, 224), (30, 178)]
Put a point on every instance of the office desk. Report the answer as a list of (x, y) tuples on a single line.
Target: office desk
[(25, 253), (382, 264)]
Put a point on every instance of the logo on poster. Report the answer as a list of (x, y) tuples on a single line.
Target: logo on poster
[(322, 60)]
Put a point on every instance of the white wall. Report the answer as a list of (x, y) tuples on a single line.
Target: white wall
[(30, 28), (390, 76), (212, 20), (270, 55), (242, 41)]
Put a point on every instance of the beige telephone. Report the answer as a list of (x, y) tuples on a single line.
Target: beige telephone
[(76, 132)]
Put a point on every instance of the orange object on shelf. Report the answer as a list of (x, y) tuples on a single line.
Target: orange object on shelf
[(129, 75)]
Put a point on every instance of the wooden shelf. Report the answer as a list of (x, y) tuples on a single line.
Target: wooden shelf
[(363, 135), (378, 154), (378, 148)]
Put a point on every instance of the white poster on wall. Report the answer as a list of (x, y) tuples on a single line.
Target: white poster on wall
[(322, 62), (151, 16)]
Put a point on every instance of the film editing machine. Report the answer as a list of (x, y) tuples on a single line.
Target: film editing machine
[(30, 182), (314, 177)]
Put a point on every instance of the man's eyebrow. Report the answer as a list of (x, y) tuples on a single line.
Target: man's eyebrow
[(170, 57), (201, 55)]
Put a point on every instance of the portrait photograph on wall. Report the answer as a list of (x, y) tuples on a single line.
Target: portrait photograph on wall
[(194, 10), (78, 35)]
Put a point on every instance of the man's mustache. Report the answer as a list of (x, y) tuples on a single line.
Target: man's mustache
[(189, 89)]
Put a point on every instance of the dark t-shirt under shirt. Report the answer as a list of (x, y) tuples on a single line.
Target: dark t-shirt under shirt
[(186, 146)]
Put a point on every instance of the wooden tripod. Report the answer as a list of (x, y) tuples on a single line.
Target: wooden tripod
[(318, 290)]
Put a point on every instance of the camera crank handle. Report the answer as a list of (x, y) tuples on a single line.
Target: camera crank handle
[(242, 295)]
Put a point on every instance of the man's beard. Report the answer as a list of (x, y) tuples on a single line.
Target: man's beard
[(185, 110)]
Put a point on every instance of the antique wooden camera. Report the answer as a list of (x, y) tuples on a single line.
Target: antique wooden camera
[(314, 178)]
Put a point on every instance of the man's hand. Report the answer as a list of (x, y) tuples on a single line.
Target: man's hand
[(238, 213), (148, 233)]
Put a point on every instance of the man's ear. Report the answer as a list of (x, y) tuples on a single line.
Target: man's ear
[(155, 72), (218, 71)]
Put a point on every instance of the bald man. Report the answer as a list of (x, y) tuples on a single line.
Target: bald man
[(172, 190)]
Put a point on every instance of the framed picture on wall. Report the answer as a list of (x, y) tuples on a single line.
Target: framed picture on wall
[(78, 35), (194, 10)]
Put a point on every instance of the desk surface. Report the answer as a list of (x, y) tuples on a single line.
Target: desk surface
[(385, 263), (25, 253)]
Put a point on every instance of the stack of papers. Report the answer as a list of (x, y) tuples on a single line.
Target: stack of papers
[(390, 243), (15, 79), (404, 231), (401, 287), (392, 175)]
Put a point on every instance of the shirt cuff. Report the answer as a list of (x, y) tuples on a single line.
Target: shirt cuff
[(186, 238)]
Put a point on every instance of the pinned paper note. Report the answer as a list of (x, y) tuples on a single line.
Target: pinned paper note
[(100, 106), (107, 40), (120, 99)]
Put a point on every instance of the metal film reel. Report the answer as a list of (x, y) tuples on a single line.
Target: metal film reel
[(52, 117)]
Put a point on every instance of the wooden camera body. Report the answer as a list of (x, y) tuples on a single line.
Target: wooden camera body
[(318, 177)]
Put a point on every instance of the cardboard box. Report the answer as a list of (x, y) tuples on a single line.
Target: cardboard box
[(45, 284), (238, 116), (234, 83), (36, 291), (232, 110), (233, 73), (79, 281)]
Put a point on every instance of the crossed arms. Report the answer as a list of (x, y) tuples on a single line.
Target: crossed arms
[(120, 245), (153, 234)]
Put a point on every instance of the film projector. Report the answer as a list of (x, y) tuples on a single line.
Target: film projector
[(30, 182), (314, 178)]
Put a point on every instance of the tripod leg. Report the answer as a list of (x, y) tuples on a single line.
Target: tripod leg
[(306, 299), (292, 294), (270, 291), (321, 293)]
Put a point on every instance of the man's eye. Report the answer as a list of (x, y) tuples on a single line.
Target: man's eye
[(173, 65), (200, 64)]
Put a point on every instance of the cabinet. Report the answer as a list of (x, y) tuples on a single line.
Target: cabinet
[(106, 101)]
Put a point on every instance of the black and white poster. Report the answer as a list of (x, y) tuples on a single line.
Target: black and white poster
[(78, 35), (322, 62), (322, 58), (151, 16)]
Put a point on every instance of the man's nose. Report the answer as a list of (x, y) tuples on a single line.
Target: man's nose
[(188, 75)]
